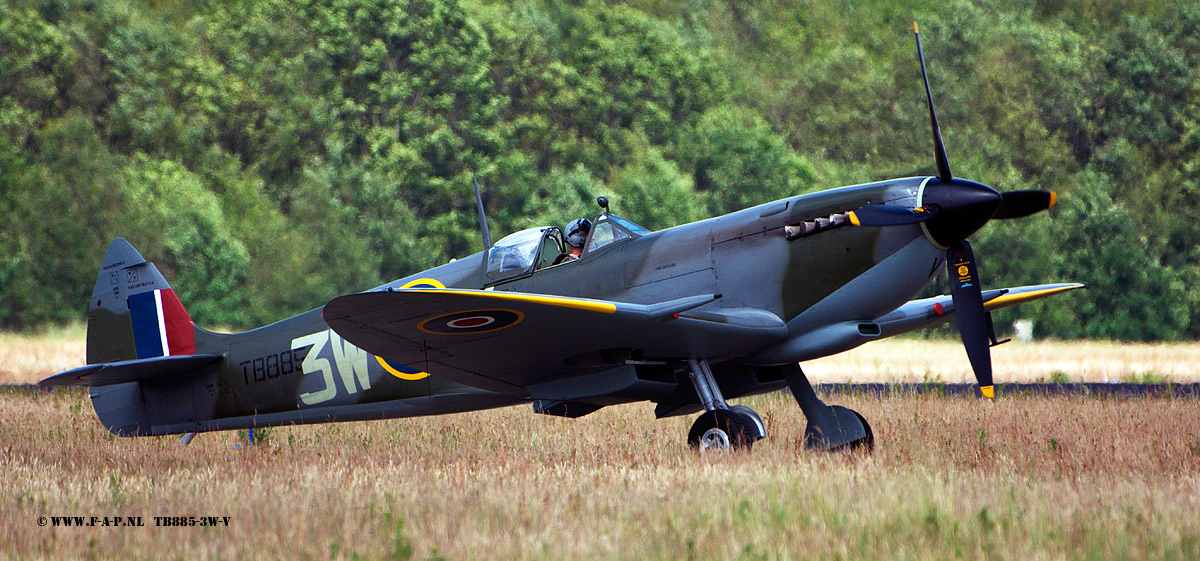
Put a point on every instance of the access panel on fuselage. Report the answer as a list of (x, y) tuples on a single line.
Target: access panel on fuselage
[(670, 264), (750, 271)]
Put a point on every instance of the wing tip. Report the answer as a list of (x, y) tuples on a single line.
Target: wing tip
[(1035, 293)]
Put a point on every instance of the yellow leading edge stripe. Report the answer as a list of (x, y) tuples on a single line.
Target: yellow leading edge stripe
[(578, 304), (1010, 299)]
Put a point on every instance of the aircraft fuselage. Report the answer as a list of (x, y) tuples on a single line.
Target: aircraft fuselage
[(299, 370)]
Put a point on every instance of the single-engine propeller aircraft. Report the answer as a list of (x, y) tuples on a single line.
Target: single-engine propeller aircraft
[(685, 317)]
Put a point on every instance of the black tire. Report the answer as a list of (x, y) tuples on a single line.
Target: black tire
[(866, 444), (738, 428), (839, 420)]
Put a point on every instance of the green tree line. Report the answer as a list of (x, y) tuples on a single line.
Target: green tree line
[(269, 155)]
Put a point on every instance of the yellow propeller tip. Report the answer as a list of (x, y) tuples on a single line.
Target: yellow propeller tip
[(915, 30), (853, 218), (1053, 199), (988, 391)]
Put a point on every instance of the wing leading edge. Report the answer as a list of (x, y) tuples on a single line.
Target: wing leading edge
[(508, 341), (916, 314)]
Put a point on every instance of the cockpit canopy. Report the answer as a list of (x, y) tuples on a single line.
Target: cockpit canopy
[(534, 249), (516, 252), (610, 229)]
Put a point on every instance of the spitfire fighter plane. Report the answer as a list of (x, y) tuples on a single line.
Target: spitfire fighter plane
[(687, 318)]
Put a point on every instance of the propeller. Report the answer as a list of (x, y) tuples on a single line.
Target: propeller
[(939, 149), (1019, 204), (951, 210), (974, 326), (970, 205)]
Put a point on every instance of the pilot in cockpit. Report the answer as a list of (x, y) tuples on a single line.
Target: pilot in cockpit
[(577, 233)]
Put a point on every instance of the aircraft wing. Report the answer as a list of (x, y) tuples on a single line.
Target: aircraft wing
[(508, 341), (916, 314), (920, 314)]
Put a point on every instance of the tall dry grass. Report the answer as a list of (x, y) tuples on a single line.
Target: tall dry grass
[(25, 359), (1019, 478), (917, 360)]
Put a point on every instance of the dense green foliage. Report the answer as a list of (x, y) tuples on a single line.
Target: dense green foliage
[(271, 154)]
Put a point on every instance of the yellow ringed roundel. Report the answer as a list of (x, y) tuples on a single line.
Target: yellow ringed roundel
[(471, 321), (404, 372), (424, 283)]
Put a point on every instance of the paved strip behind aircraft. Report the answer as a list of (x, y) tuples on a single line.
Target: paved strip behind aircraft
[(685, 317)]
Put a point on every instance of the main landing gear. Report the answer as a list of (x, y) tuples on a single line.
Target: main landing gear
[(722, 426), (737, 427), (830, 427)]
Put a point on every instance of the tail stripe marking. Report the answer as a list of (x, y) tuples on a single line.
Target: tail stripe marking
[(161, 326), (177, 325), (144, 312)]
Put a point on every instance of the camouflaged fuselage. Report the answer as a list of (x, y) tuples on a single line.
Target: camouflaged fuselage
[(300, 371)]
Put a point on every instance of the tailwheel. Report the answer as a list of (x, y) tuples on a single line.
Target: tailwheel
[(736, 428)]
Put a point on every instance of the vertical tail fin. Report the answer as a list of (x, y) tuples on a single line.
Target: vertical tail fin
[(134, 313)]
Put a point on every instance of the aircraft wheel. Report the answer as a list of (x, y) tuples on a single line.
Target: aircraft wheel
[(867, 443), (838, 428), (722, 430)]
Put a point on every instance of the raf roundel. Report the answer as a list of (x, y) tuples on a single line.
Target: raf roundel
[(472, 321)]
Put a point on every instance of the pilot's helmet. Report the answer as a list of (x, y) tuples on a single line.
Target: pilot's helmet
[(577, 231)]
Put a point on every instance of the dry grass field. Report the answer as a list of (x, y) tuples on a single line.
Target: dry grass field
[(25, 359), (919, 360), (1019, 478)]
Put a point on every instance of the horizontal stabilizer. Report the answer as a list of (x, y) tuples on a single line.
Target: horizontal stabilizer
[(131, 371)]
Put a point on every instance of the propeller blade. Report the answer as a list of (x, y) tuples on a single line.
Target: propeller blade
[(1018, 204), (968, 309), (939, 149), (889, 215)]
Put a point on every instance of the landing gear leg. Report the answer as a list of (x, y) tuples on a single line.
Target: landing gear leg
[(722, 426), (830, 427)]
